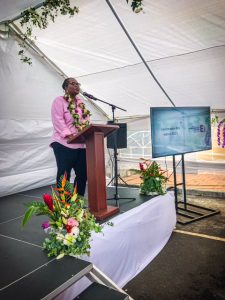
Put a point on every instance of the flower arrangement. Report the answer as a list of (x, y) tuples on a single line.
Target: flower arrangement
[(79, 113), (69, 225), (153, 178)]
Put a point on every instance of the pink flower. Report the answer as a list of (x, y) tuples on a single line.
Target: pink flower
[(48, 201), (72, 222)]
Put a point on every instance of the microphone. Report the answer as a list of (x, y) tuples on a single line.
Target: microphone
[(89, 96)]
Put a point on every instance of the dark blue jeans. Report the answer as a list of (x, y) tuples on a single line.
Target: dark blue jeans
[(68, 159)]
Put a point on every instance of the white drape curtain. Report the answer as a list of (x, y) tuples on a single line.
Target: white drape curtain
[(131, 244)]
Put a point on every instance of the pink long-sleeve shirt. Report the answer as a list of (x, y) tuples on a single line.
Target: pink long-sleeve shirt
[(63, 122)]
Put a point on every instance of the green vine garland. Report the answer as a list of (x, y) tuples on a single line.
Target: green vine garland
[(32, 17), (215, 121), (49, 10), (136, 5)]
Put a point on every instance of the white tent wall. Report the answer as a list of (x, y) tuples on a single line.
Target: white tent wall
[(26, 95)]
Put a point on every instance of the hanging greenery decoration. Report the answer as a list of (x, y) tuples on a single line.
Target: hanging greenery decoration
[(136, 5), (49, 10), (32, 17)]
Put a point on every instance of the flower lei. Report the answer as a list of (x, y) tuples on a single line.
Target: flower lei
[(80, 119), (219, 127)]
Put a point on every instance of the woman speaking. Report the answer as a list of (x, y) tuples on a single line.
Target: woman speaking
[(70, 116)]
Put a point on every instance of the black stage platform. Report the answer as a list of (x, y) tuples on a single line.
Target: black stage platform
[(26, 271)]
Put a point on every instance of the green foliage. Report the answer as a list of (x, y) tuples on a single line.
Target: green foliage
[(23, 57), (153, 178), (29, 213), (55, 244), (215, 120), (49, 11), (32, 17), (37, 209), (136, 5)]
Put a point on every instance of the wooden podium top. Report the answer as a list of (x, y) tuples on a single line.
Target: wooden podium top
[(82, 136)]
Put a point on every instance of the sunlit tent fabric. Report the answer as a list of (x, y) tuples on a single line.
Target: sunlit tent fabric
[(183, 43)]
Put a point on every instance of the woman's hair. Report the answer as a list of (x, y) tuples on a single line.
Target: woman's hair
[(66, 83)]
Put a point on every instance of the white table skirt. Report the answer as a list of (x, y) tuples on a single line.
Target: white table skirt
[(131, 244)]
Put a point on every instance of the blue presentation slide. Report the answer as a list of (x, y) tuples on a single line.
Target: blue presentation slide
[(180, 130)]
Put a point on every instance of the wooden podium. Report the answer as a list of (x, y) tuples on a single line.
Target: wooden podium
[(93, 137)]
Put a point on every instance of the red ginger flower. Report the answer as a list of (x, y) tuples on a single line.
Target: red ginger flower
[(48, 201), (141, 167)]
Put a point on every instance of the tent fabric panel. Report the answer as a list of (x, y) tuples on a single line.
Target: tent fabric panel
[(165, 29), (12, 8), (27, 90), (82, 46), (25, 146), (13, 184), (102, 58), (130, 88), (195, 79), (170, 28), (25, 155), (192, 80)]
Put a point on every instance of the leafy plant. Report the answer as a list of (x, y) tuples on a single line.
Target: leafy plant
[(153, 178)]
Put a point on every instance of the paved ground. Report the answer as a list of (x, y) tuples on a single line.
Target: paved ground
[(201, 182), (188, 268), (192, 265)]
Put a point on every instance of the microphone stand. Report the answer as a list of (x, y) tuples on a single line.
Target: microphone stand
[(116, 175)]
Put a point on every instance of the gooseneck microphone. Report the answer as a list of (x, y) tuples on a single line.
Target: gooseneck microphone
[(89, 96), (94, 98)]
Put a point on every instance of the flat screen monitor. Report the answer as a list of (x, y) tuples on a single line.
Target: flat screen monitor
[(180, 130)]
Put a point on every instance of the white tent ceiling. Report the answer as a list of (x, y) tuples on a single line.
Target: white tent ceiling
[(183, 43), (12, 8)]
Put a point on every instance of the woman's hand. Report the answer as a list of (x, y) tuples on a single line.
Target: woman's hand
[(69, 137)]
